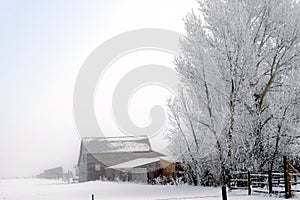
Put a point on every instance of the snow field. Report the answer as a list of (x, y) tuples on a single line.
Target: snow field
[(40, 189)]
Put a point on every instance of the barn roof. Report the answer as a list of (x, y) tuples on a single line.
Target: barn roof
[(134, 163), (110, 159), (115, 150), (94, 145)]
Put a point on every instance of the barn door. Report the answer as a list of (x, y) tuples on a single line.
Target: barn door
[(139, 174)]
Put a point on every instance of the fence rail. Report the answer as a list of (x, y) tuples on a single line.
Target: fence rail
[(267, 182)]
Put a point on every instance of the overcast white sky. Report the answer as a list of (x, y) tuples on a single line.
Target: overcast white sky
[(42, 46)]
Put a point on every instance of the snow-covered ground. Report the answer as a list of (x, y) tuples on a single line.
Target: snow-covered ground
[(39, 189)]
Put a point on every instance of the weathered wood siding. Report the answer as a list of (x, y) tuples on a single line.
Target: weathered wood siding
[(92, 173), (82, 167)]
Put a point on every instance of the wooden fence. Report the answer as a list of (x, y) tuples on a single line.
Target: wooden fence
[(268, 181)]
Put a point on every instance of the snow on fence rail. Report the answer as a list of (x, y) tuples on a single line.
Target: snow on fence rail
[(267, 182)]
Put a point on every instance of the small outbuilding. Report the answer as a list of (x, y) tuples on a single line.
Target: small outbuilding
[(54, 173)]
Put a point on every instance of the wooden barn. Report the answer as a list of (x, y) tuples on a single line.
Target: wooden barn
[(128, 158)]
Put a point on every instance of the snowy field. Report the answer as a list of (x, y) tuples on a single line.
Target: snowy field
[(39, 189)]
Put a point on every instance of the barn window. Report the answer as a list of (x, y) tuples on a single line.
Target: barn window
[(97, 167)]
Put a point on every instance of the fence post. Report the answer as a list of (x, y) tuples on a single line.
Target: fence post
[(249, 182), (92, 197), (224, 193), (286, 184), (288, 167), (270, 181)]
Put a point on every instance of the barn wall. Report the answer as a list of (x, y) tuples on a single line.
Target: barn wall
[(154, 170), (92, 174), (139, 174), (82, 169), (150, 171)]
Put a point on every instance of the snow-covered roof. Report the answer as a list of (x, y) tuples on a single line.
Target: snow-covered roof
[(116, 144), (170, 159), (110, 159), (134, 163)]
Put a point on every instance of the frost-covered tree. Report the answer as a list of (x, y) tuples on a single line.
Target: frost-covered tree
[(244, 102)]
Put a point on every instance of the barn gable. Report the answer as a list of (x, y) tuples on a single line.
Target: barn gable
[(108, 145), (116, 144)]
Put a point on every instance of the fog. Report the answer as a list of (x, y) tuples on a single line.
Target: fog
[(43, 45)]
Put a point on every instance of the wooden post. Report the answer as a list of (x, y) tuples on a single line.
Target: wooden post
[(224, 193), (286, 184), (270, 181), (249, 182), (288, 169), (92, 197)]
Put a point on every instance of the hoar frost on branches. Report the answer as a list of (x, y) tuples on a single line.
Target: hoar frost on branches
[(238, 105)]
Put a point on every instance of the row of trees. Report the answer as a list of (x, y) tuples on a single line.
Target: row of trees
[(238, 105)]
